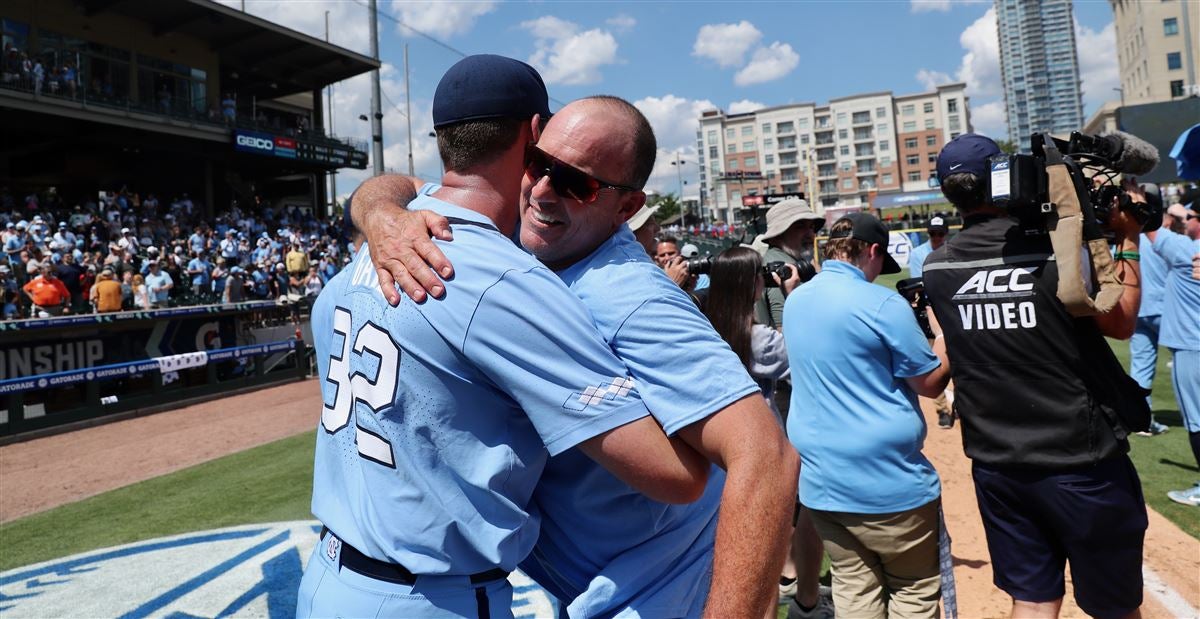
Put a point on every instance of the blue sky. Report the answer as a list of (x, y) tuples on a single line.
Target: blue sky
[(674, 59)]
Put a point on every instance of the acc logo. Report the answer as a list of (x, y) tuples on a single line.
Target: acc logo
[(253, 142), (241, 571), (999, 282), (1000, 165)]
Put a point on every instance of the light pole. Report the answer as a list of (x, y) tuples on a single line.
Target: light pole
[(678, 163)]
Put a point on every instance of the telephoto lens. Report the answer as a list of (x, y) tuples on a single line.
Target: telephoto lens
[(699, 266)]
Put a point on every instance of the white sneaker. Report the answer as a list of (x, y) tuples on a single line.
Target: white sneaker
[(786, 590), (1191, 496)]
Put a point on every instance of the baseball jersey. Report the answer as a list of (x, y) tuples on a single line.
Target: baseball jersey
[(438, 417), (603, 544), (1154, 277)]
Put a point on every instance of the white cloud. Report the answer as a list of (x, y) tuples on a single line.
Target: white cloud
[(932, 79), (726, 44), (673, 118), (439, 19), (990, 119), (921, 6), (666, 177), (745, 105), (767, 64), (567, 55), (1098, 67), (980, 67), (621, 23)]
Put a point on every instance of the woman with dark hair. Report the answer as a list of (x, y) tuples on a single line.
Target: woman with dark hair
[(736, 281)]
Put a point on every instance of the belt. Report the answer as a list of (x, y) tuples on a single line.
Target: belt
[(354, 560)]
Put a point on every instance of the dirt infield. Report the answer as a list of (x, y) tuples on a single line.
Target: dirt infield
[(46, 472)]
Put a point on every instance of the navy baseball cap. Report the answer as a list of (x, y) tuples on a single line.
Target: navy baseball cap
[(867, 228), (489, 86), (968, 152)]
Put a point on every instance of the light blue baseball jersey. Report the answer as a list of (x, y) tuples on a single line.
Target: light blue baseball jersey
[(1181, 302), (610, 549), (916, 258), (438, 416), (1154, 277), (854, 420)]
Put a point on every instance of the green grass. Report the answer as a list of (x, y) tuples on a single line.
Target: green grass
[(266, 484)]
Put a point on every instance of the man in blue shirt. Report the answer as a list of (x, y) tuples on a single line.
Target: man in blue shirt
[(1181, 324), (858, 362), (198, 269), (604, 548), (159, 284), (439, 417), (1143, 346)]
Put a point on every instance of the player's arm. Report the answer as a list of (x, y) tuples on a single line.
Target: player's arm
[(400, 241), (640, 454), (756, 504)]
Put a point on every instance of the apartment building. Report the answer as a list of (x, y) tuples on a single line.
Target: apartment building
[(845, 152), (1039, 66), (1158, 49)]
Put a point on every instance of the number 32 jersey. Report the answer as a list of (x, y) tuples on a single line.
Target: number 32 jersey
[(438, 417)]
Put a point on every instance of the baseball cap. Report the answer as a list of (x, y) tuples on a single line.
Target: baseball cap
[(9, 225), (489, 86), (968, 152), (868, 229), (124, 230), (643, 215), (781, 216), (938, 224), (689, 251), (21, 225)]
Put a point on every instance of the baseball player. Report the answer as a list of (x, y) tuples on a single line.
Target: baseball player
[(438, 418)]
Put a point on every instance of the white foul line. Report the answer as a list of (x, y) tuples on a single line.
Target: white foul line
[(1167, 596)]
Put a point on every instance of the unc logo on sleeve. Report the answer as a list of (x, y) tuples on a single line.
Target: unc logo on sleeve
[(617, 387), (247, 571)]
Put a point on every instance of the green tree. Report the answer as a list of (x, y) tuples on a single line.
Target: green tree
[(668, 205), (1007, 146)]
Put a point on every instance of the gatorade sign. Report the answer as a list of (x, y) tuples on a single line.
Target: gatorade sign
[(254, 142)]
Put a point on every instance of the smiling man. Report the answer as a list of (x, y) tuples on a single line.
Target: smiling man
[(604, 548)]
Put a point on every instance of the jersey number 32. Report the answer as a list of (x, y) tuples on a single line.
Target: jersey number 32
[(377, 393)]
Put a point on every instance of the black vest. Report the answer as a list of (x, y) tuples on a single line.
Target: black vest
[(1034, 386)]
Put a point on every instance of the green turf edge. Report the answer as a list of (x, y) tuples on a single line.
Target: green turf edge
[(269, 483)]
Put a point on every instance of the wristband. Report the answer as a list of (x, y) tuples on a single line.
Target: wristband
[(1128, 255)]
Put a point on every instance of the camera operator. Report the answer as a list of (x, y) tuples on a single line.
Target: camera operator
[(1040, 395), (791, 227)]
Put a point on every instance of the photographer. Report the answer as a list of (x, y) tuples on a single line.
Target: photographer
[(791, 228), (1040, 396), (858, 362)]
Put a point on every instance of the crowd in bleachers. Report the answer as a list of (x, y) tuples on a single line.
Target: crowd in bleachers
[(58, 254)]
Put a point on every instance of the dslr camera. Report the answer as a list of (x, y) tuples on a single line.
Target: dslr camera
[(913, 291), (703, 265)]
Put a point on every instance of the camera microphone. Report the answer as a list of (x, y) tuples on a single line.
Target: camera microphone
[(1134, 155)]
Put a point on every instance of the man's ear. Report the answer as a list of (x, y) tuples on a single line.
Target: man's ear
[(631, 203), (535, 127)]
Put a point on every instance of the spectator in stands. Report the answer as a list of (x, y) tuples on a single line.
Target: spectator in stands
[(126, 289), (158, 284), (141, 293), (234, 290), (106, 293), (297, 260), (198, 270), (69, 273), (312, 283), (48, 294), (9, 293)]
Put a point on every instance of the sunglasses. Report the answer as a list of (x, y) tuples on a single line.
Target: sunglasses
[(937, 234), (566, 180), (1191, 216)]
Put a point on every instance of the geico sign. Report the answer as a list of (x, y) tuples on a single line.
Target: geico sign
[(253, 142)]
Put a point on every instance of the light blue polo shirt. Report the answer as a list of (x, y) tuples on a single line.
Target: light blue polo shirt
[(854, 419), (916, 258), (1180, 328), (1154, 277), (603, 544), (457, 403)]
